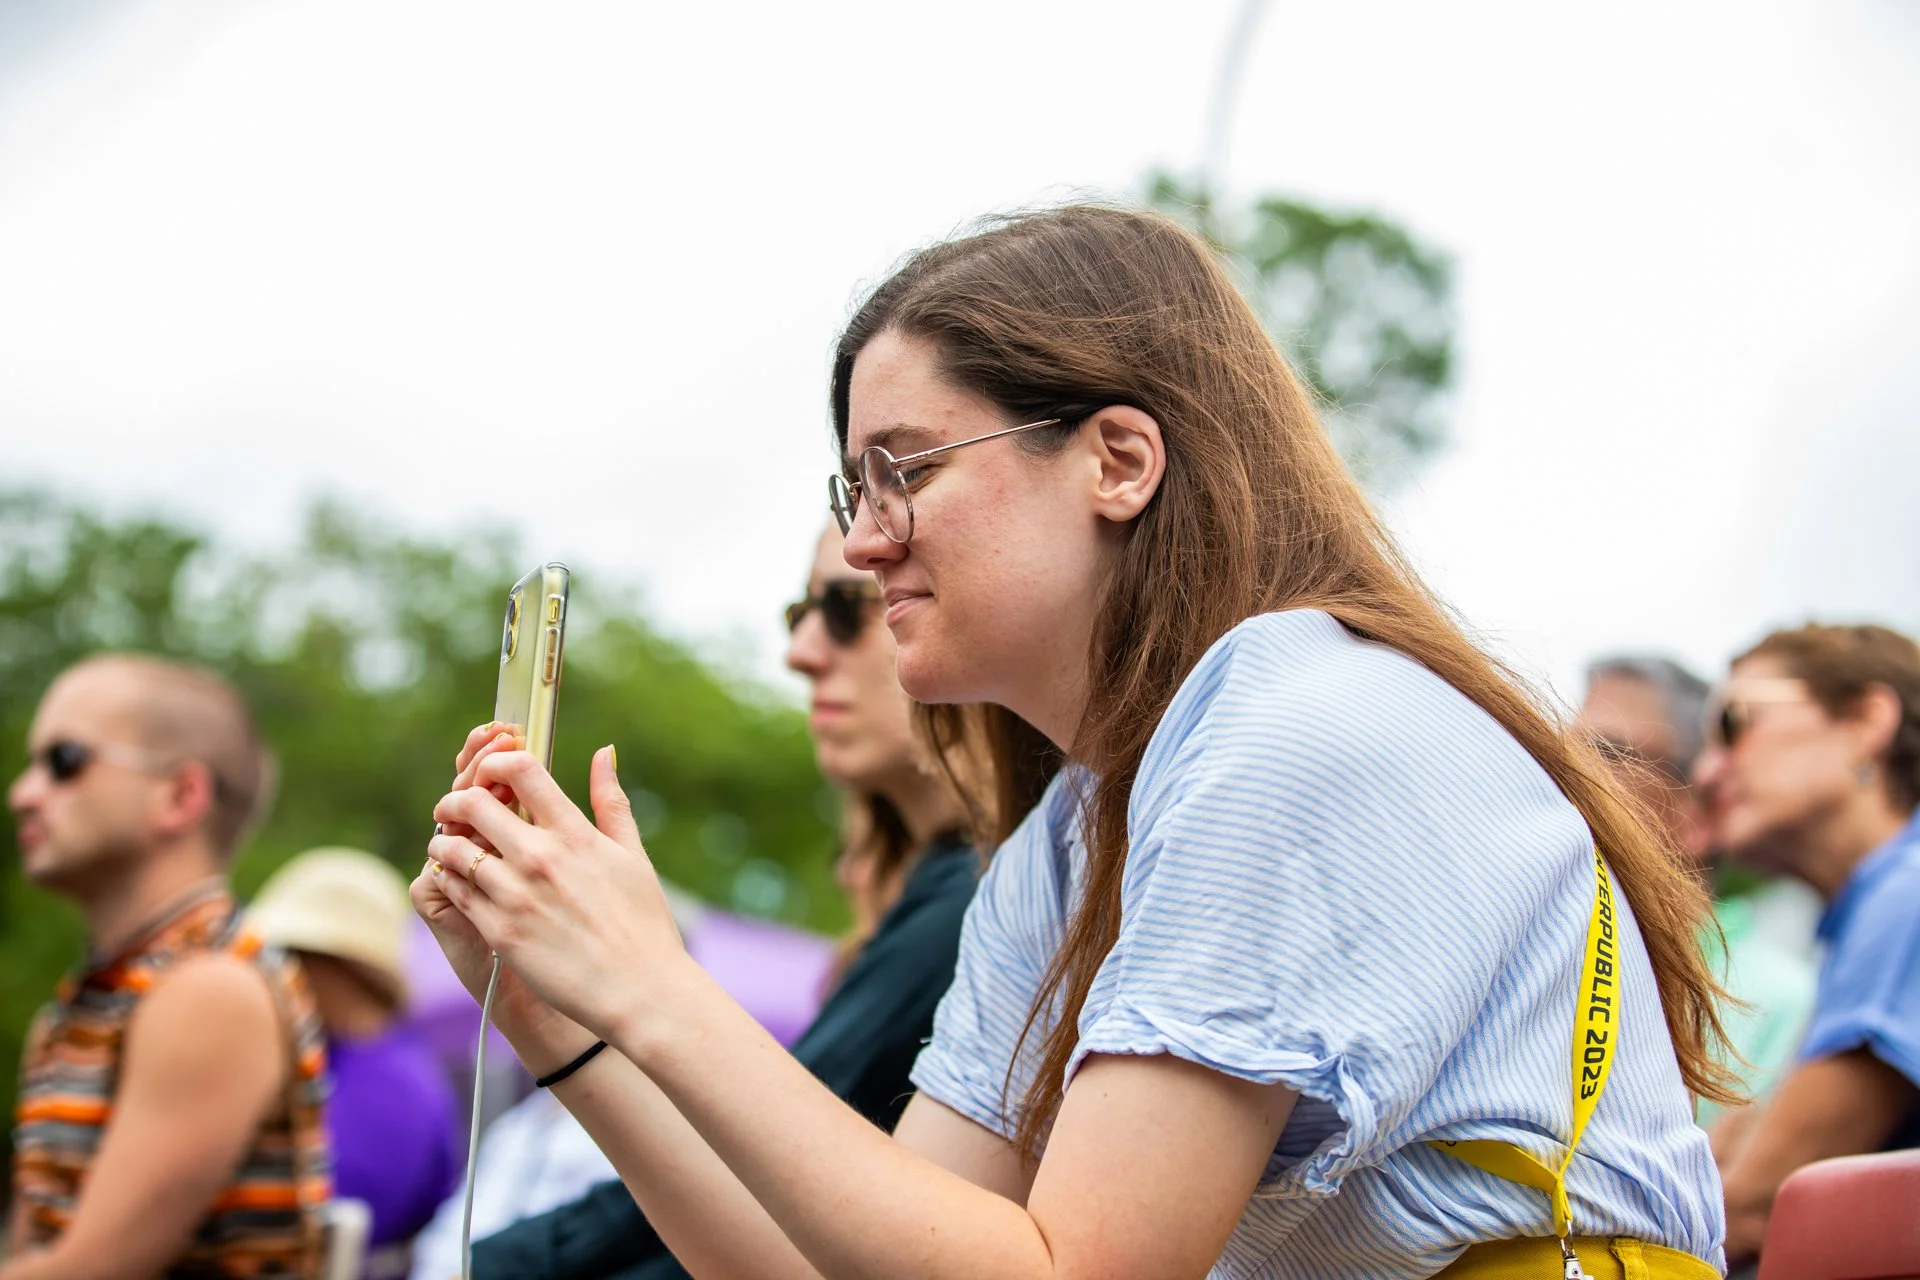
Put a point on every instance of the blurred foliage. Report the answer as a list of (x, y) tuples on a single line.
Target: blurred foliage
[(367, 656), (1362, 309)]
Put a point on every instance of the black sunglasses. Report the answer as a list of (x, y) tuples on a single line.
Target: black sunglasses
[(1730, 715), (842, 606), (64, 759), (1731, 723)]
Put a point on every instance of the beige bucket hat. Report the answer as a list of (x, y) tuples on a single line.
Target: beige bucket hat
[(340, 902)]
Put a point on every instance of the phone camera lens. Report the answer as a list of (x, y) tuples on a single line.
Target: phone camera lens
[(510, 637)]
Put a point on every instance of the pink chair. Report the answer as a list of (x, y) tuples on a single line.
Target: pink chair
[(1855, 1218)]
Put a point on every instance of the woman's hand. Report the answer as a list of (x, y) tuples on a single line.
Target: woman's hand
[(543, 1038), (481, 742), (573, 906)]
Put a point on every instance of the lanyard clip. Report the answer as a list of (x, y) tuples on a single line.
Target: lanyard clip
[(1572, 1260)]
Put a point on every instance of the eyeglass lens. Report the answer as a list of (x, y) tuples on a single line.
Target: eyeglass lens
[(845, 505), (882, 484), (65, 760), (1732, 722), (842, 608)]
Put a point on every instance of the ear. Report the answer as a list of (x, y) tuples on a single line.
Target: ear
[(1876, 717), (188, 799), (1130, 458)]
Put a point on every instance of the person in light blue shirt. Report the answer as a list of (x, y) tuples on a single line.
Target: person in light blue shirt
[(1347, 879), (1648, 716), (1869, 993), (1815, 772), (1313, 945)]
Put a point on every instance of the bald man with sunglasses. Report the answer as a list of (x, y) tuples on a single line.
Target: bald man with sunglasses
[(169, 1113)]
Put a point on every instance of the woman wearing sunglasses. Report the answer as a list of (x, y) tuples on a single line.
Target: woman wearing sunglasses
[(1813, 770), (908, 873), (1282, 973)]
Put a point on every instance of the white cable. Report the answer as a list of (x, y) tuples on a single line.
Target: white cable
[(473, 1130)]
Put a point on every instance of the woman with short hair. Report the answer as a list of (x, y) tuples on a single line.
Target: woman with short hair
[(1813, 770)]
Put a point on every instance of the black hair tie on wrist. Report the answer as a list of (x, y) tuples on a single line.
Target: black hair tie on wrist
[(548, 1081)]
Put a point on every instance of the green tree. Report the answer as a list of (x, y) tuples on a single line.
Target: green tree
[(367, 656), (1362, 308)]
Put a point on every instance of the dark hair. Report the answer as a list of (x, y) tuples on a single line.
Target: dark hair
[(1838, 664), (1090, 306), (873, 829), (872, 832)]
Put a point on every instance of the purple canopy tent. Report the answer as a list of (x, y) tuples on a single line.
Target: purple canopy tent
[(775, 971)]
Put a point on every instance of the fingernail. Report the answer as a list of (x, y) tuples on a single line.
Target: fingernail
[(613, 757)]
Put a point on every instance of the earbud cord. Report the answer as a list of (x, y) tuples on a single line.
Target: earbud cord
[(473, 1130)]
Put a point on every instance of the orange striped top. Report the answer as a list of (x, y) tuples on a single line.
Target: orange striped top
[(266, 1221)]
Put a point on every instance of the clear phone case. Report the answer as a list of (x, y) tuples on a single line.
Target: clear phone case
[(530, 650)]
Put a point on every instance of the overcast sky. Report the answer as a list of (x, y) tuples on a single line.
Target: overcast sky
[(401, 252)]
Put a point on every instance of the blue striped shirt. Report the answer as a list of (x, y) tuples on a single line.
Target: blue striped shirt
[(1347, 878)]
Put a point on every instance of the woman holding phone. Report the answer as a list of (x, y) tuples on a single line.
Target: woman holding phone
[(1303, 963), (908, 872)]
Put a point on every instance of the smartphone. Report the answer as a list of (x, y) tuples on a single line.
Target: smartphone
[(531, 644)]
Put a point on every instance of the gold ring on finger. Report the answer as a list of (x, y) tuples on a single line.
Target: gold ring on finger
[(479, 857)]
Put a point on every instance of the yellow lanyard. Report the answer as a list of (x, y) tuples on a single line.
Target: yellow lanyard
[(1595, 1029)]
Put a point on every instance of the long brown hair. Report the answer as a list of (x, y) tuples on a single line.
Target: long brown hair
[(875, 839), (874, 832), (1062, 312)]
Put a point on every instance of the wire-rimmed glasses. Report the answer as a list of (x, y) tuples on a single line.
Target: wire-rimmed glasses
[(884, 484)]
